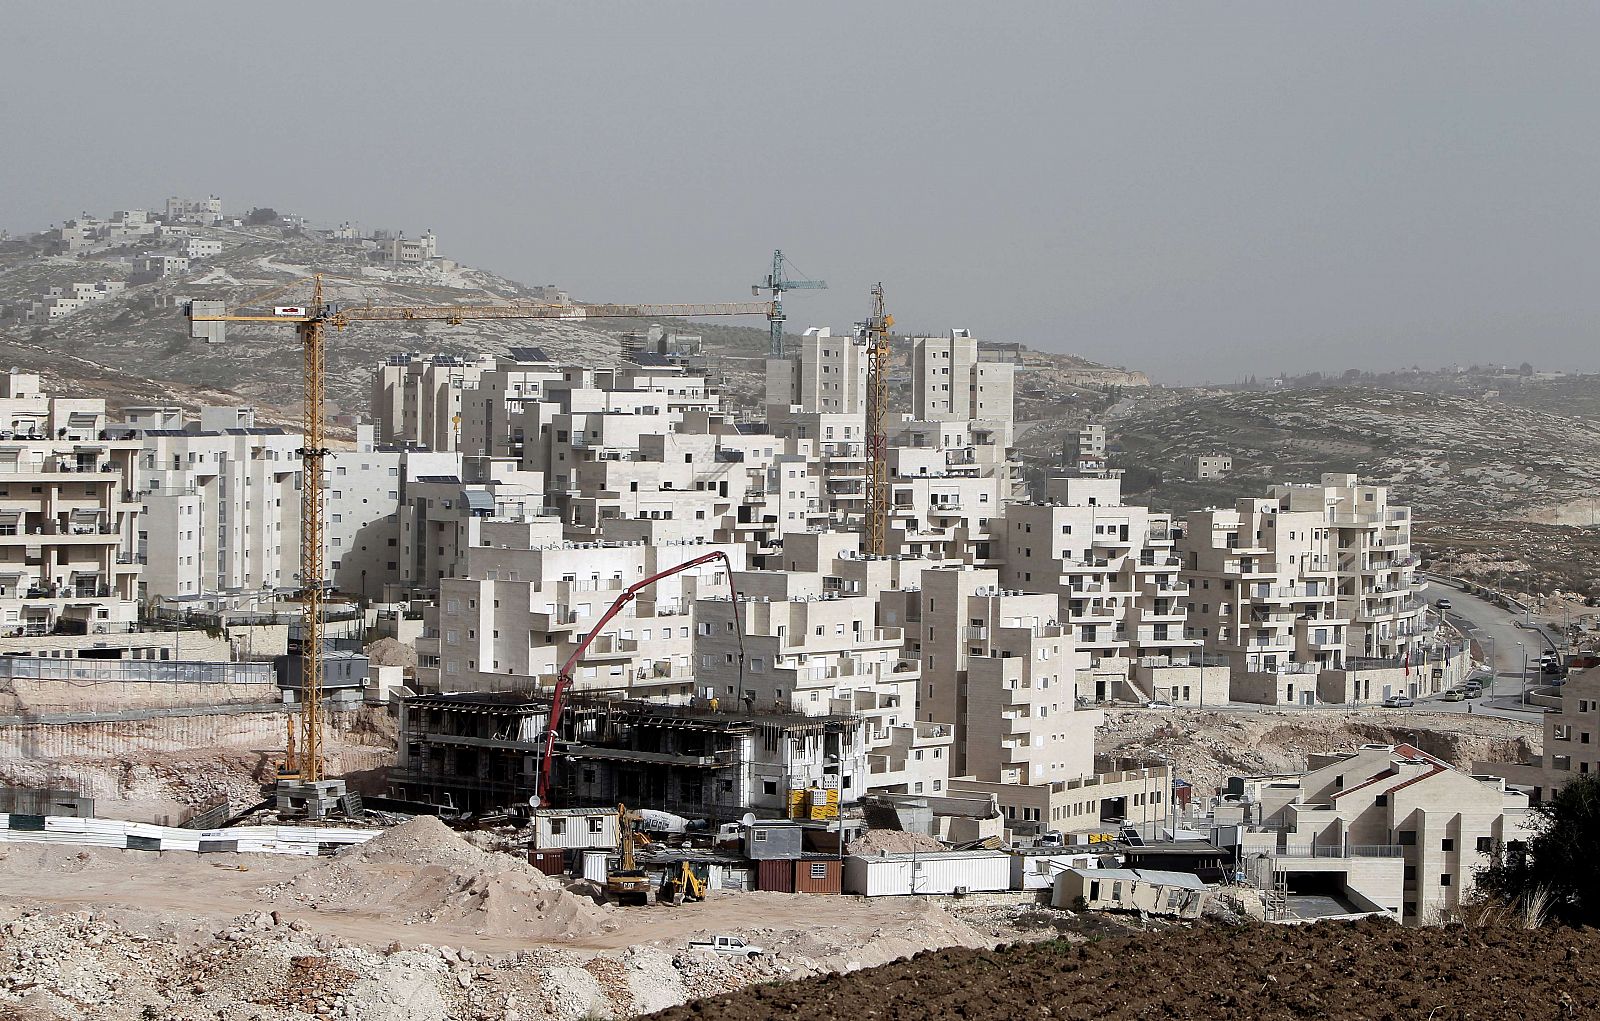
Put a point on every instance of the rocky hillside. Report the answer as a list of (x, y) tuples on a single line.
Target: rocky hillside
[(142, 333), (135, 346), (1452, 457)]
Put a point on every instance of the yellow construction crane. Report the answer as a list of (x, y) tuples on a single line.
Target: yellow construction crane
[(302, 783), (875, 332)]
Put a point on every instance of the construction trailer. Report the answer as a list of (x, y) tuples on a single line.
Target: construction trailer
[(1037, 868), (568, 829), (931, 872), (479, 752)]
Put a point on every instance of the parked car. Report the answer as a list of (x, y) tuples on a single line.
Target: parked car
[(1454, 695), (734, 946), (1398, 702), (1159, 703), (1472, 689)]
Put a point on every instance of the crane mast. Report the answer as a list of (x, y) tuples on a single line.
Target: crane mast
[(876, 330), (775, 284), (310, 764)]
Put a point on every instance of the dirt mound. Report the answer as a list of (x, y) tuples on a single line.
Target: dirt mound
[(892, 842), (1337, 970), (423, 872), (389, 652)]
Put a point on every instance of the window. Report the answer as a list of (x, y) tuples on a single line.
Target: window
[(769, 787), (1411, 873), (1408, 838), (1444, 879), (558, 827), (819, 870), (1447, 844), (1485, 845)]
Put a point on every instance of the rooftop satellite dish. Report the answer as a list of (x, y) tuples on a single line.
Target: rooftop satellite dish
[(534, 801), (748, 819)]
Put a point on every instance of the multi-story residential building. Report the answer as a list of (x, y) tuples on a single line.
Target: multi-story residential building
[(1212, 466), (406, 251), (207, 211), (417, 400), (202, 248), (952, 381), (221, 500), (478, 752), (155, 267), (823, 375), (1390, 827), (998, 664), (1085, 450), (1113, 569), (525, 599), (1310, 579), (68, 517), (1571, 739), (812, 645)]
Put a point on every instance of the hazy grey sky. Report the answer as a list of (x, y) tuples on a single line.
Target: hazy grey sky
[(1199, 190)]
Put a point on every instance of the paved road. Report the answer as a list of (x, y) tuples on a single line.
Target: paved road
[(1502, 638)]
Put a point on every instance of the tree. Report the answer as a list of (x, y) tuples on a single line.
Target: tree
[(261, 215), (1558, 862)]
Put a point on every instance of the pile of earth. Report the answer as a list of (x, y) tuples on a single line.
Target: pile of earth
[(1371, 970), (421, 871), (875, 842)]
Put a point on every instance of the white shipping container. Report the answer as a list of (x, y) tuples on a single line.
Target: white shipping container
[(594, 865), (1039, 871), (937, 872)]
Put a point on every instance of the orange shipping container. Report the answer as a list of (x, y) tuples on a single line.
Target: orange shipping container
[(818, 875)]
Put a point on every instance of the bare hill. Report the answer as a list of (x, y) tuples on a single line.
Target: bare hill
[(140, 337), (1451, 457)]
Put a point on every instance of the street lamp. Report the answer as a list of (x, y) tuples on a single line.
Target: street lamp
[(1523, 676)]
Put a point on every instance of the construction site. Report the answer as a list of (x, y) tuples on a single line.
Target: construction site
[(658, 701)]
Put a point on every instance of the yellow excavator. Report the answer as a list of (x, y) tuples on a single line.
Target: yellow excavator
[(684, 883), (629, 884)]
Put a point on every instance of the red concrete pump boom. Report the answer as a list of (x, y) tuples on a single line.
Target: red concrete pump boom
[(629, 594)]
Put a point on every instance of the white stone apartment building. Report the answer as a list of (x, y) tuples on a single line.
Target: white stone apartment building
[(525, 599), (404, 251), (1086, 449), (1113, 568), (445, 499), (1395, 828), (1313, 578), (951, 381), (68, 517), (1571, 740), (59, 301), (998, 665), (207, 211), (417, 399), (202, 248), (221, 502)]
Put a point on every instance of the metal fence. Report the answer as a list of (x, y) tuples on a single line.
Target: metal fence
[(135, 670), (1340, 851)]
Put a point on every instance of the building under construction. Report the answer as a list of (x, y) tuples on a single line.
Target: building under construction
[(479, 752)]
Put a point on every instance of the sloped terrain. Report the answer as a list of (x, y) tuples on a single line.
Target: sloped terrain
[(143, 333), (1450, 457), (1337, 971)]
